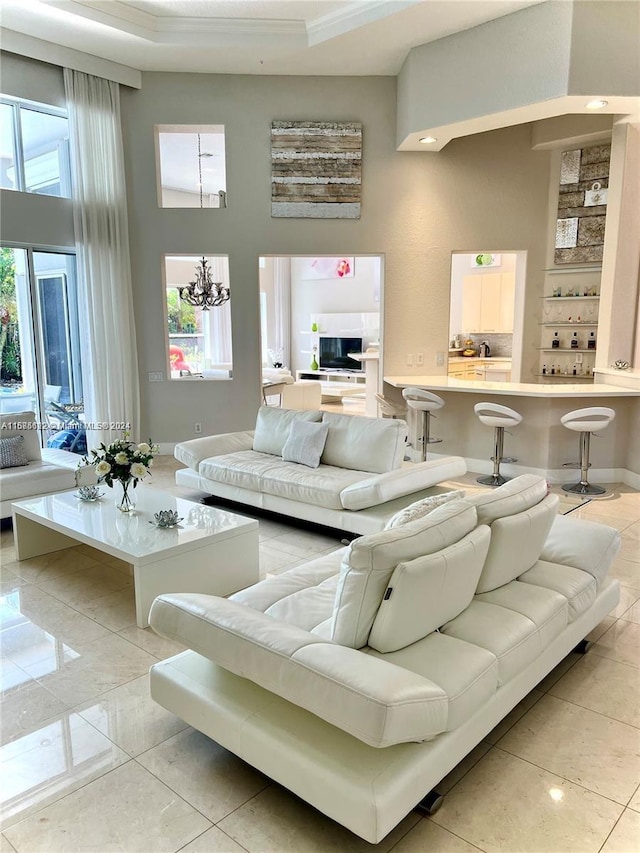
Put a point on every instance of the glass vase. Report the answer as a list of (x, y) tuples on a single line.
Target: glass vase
[(126, 499)]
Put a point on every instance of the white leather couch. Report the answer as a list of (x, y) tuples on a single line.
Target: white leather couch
[(360, 483), (49, 470), (360, 679)]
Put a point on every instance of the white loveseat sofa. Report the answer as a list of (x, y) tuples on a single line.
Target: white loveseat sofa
[(360, 483), (49, 470), (360, 679)]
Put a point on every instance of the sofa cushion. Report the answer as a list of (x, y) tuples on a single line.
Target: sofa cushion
[(271, 475), (307, 608), (510, 636), (577, 587), (516, 543), (423, 507), (370, 561), (468, 674), (426, 592), (379, 703), (273, 425), (305, 443), (38, 478), (548, 610), (12, 453), (24, 424), (584, 544), (364, 444), (517, 495)]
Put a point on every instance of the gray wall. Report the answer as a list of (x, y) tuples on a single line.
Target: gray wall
[(488, 190)]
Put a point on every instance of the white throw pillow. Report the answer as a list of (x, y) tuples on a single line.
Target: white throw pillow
[(273, 425), (423, 507), (305, 443), (364, 444), (24, 424)]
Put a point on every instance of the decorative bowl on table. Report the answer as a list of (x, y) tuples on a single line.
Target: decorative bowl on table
[(89, 494), (165, 519)]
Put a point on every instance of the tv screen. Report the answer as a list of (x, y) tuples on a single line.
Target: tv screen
[(334, 353)]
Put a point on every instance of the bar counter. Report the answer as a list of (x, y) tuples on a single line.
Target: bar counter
[(540, 443)]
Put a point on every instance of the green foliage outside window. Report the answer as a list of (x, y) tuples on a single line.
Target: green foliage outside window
[(10, 365)]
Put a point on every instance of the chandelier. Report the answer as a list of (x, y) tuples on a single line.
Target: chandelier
[(204, 292)]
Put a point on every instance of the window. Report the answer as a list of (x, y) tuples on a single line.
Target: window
[(198, 339), (34, 153), (191, 166)]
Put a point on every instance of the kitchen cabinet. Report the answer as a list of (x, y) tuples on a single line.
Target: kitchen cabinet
[(488, 303)]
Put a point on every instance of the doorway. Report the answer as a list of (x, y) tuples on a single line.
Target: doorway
[(486, 316), (313, 308)]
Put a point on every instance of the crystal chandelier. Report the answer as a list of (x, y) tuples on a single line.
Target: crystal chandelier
[(204, 292)]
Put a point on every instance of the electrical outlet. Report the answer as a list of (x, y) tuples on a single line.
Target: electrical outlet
[(409, 360), (578, 358), (419, 359), (440, 359), (197, 428)]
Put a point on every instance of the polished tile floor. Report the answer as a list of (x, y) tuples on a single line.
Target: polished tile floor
[(90, 763)]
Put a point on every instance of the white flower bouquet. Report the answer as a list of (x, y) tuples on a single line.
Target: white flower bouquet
[(122, 460)]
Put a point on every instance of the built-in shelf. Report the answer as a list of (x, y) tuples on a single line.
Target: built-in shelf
[(564, 349), (569, 298), (581, 324), (560, 271), (565, 376), (186, 334)]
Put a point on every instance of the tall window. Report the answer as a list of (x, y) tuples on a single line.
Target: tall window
[(191, 165), (34, 148)]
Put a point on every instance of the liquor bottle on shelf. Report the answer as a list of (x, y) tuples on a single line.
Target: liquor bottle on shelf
[(544, 369), (553, 369), (574, 341), (591, 343), (555, 341)]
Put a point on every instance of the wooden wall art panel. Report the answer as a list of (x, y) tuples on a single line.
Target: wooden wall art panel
[(316, 169)]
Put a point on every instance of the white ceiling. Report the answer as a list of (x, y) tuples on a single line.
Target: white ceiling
[(301, 37)]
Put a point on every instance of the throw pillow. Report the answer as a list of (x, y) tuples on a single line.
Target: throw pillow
[(273, 425), (12, 453), (423, 507), (305, 443)]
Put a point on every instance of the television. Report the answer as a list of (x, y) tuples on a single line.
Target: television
[(334, 353)]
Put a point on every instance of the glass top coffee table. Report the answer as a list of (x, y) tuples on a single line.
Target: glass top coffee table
[(211, 551)]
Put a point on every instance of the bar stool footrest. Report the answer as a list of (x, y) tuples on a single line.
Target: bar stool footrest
[(506, 459)]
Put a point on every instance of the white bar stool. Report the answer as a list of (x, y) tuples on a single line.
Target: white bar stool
[(586, 421), (498, 417), (425, 402)]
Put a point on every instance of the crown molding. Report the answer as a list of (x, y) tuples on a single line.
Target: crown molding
[(354, 16)]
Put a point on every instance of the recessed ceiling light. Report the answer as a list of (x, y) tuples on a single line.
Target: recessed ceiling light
[(427, 140), (596, 104)]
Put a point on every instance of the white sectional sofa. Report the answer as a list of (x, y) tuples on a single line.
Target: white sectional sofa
[(360, 679), (49, 470), (360, 483)]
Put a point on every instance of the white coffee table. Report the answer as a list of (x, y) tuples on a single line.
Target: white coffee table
[(212, 551)]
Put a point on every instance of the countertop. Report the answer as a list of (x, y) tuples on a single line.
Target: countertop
[(510, 389), (474, 359)]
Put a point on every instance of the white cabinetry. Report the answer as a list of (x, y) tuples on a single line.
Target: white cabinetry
[(488, 303)]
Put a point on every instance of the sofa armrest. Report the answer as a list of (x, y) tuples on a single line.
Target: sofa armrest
[(412, 477), (375, 701), (193, 452), (583, 544)]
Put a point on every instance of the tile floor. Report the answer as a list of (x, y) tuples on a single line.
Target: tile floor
[(90, 763)]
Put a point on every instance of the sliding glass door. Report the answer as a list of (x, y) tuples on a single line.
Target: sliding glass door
[(40, 361)]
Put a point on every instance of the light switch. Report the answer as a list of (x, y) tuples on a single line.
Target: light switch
[(156, 376)]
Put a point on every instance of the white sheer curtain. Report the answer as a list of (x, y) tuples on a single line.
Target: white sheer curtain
[(220, 317), (282, 294), (110, 361)]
